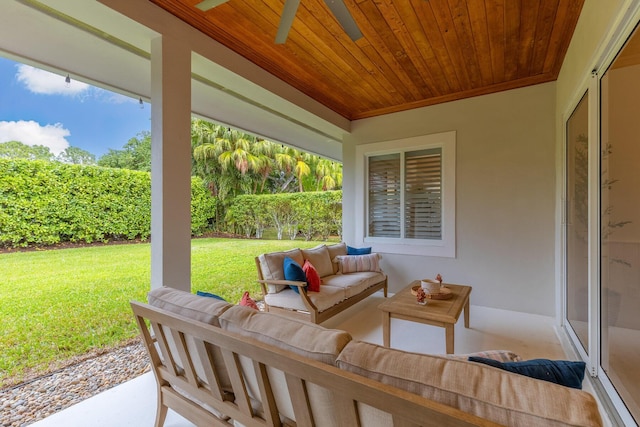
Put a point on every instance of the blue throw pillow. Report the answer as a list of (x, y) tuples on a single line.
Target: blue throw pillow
[(208, 295), (563, 372), (358, 251), (293, 272)]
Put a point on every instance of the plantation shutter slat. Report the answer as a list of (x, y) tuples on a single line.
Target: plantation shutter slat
[(385, 186), (423, 194)]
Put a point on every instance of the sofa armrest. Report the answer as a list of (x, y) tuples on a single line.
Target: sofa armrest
[(283, 282)]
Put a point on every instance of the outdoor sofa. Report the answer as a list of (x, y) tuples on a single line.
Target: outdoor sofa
[(218, 365), (345, 280)]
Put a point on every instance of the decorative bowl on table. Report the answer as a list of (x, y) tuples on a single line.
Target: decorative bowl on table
[(445, 293)]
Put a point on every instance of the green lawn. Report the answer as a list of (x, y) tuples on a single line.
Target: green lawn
[(56, 304)]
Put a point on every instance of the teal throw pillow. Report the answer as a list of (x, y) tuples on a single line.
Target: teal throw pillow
[(563, 372), (293, 272), (209, 295), (358, 251)]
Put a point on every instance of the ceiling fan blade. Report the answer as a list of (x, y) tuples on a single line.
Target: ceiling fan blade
[(340, 11), (209, 4), (286, 19)]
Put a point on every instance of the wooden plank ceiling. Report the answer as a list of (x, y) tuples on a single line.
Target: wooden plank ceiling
[(413, 53)]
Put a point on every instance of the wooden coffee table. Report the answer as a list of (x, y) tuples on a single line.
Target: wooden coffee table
[(443, 313)]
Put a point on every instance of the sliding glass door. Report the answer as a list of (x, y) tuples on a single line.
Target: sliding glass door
[(577, 225), (602, 228), (620, 224)]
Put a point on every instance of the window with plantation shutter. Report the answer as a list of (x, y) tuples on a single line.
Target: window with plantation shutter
[(409, 195), (385, 184), (423, 194)]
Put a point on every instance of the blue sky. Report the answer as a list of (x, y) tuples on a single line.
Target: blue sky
[(39, 108)]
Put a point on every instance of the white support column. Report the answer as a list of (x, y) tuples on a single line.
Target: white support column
[(170, 164)]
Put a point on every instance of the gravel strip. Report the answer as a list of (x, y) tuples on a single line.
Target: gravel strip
[(28, 402)]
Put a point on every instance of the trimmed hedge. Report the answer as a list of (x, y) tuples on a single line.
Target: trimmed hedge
[(44, 203), (312, 214)]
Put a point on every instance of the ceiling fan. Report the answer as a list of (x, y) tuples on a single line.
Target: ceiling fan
[(337, 7)]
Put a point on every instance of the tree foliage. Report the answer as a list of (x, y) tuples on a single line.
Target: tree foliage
[(233, 163), (311, 214), (18, 150), (76, 156), (135, 155)]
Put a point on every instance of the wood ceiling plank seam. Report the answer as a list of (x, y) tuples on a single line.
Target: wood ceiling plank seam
[(462, 24), (379, 90), (528, 23), (384, 70), (403, 68), (312, 43), (507, 85), (480, 34), (511, 38), (436, 41), (368, 67), (350, 58), (423, 44), (430, 69), (565, 23), (544, 27), (495, 22), (376, 55), (442, 14), (406, 46), (379, 52)]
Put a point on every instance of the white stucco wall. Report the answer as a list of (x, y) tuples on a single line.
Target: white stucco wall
[(505, 195)]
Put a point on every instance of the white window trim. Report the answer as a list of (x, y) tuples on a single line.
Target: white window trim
[(445, 247)]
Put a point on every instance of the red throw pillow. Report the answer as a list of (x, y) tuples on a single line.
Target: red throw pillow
[(248, 301), (313, 279)]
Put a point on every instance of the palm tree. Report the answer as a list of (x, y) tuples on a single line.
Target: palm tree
[(328, 174), (290, 160), (205, 152)]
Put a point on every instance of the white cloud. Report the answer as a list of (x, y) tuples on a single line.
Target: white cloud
[(46, 83), (32, 133)]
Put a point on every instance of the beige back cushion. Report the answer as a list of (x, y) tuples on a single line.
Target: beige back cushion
[(320, 258), (203, 309), (490, 393), (334, 251), (303, 338), (195, 307), (272, 266)]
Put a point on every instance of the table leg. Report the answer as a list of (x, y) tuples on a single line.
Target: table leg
[(449, 337), (386, 329), (466, 314)]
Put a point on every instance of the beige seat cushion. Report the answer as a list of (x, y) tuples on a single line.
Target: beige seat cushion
[(320, 258), (289, 299), (503, 397), (353, 283)]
